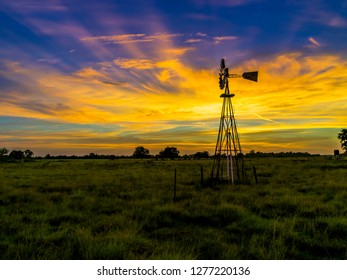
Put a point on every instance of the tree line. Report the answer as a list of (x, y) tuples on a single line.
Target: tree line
[(141, 152), (16, 154)]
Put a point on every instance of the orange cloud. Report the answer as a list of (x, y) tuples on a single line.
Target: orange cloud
[(141, 64)]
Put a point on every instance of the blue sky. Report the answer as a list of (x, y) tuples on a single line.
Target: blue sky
[(106, 76)]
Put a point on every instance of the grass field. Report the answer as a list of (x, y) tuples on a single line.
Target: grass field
[(124, 209)]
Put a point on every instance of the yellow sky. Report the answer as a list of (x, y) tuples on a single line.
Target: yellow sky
[(299, 104)]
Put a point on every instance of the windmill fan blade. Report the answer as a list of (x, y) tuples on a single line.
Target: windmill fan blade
[(222, 64), (253, 76), (221, 81)]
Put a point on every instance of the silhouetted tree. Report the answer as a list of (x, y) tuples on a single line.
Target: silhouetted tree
[(93, 156), (16, 154), (169, 152), (342, 136), (187, 156), (3, 152), (141, 152), (203, 154), (28, 154)]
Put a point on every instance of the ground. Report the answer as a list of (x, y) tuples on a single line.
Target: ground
[(124, 209)]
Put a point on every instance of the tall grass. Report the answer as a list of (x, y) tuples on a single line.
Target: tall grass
[(124, 209)]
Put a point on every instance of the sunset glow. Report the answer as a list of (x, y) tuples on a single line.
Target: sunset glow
[(108, 76)]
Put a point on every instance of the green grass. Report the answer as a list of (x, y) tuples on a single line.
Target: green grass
[(124, 209)]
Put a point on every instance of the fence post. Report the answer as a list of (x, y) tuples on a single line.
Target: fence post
[(255, 175), (175, 181), (201, 176)]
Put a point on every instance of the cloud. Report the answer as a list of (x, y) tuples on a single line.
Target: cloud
[(314, 42), (46, 108), (337, 21), (141, 64), (166, 101), (317, 12), (291, 140), (223, 3), (201, 34), (132, 38), (164, 75), (164, 36), (36, 6), (120, 39), (201, 16), (90, 73), (193, 40), (49, 60), (219, 39), (114, 83), (176, 52)]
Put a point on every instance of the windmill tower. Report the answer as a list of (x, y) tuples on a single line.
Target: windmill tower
[(228, 159)]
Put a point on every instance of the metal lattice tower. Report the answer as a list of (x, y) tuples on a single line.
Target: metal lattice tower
[(228, 161)]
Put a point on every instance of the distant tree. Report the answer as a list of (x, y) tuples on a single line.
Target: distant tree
[(28, 154), (3, 152), (342, 136), (199, 155), (169, 152), (48, 156), (141, 152), (187, 156), (93, 156), (16, 154)]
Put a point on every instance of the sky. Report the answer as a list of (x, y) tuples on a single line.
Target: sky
[(105, 76)]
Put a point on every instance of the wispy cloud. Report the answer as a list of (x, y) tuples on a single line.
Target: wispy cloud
[(120, 39), (201, 16), (131, 38), (141, 64), (164, 36), (49, 60), (193, 41), (337, 21), (178, 51), (201, 34), (314, 42), (219, 39), (318, 12), (36, 6), (225, 3)]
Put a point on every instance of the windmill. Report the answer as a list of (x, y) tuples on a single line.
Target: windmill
[(228, 158)]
